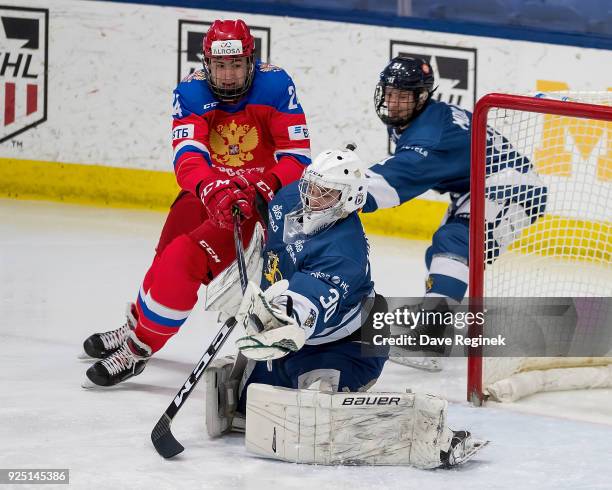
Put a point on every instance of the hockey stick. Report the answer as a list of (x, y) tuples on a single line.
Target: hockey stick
[(164, 441)]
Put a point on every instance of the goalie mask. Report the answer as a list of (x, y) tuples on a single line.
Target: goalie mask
[(229, 65), (404, 88), (332, 186)]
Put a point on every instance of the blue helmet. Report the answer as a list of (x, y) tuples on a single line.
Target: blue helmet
[(404, 73)]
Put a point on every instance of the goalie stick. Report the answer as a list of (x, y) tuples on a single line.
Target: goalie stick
[(164, 441)]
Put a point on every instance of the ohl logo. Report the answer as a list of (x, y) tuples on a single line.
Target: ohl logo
[(24, 35)]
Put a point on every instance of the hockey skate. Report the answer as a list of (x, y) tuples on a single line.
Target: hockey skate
[(463, 447), (127, 361), (101, 345), (425, 358)]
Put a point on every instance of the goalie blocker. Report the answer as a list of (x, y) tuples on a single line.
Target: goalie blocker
[(310, 426)]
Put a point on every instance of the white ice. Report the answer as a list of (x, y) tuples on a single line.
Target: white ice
[(67, 271)]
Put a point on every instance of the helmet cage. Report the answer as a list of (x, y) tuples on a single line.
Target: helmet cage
[(234, 93), (333, 186), (421, 96)]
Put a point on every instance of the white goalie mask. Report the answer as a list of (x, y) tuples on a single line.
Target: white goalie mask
[(332, 186)]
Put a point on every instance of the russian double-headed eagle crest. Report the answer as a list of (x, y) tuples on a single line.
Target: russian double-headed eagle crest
[(232, 144)]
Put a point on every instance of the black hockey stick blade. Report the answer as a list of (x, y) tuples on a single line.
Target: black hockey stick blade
[(164, 441), (162, 438)]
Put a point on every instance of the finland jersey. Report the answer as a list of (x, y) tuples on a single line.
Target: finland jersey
[(328, 274), (434, 153)]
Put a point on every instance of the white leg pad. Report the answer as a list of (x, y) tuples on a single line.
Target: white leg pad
[(308, 426), (221, 396)]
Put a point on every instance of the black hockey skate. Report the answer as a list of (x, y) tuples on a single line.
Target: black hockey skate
[(462, 448), (127, 361), (101, 345), (434, 328)]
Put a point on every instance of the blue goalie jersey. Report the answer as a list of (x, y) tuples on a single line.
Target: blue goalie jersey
[(328, 273)]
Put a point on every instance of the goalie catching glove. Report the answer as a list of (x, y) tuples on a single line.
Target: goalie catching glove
[(271, 331)]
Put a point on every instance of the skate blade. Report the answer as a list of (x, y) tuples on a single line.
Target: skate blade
[(470, 452), (88, 384), (425, 364)]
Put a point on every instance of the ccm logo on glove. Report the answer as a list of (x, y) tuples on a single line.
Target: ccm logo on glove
[(213, 185)]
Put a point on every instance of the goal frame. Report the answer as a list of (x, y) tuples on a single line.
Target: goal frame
[(475, 387)]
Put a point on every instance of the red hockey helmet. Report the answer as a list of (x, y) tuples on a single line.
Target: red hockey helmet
[(228, 40)]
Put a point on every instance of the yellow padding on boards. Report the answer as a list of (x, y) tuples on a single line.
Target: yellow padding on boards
[(150, 189), (567, 237), (87, 184), (416, 219)]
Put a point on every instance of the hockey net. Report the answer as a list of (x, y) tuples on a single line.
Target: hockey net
[(565, 253)]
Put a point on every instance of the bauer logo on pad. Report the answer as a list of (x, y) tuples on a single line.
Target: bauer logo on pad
[(23, 69), (191, 35)]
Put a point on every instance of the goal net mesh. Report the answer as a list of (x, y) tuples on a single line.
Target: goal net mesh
[(553, 237)]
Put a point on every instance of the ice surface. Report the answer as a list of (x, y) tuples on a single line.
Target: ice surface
[(67, 271)]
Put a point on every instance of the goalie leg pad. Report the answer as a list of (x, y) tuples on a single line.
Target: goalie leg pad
[(222, 379), (308, 426)]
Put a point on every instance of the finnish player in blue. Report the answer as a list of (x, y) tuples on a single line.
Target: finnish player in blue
[(432, 151), (302, 363)]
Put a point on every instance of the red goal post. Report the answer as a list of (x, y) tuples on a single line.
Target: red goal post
[(546, 106)]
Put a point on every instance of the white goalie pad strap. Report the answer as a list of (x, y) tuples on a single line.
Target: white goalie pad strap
[(320, 380), (308, 426), (224, 292)]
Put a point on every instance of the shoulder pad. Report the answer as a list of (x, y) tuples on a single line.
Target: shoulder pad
[(196, 75), (195, 95), (264, 67)]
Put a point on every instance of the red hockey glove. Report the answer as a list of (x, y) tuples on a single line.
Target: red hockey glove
[(265, 184), (220, 196)]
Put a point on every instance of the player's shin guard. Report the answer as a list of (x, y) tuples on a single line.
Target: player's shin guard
[(448, 277), (308, 426)]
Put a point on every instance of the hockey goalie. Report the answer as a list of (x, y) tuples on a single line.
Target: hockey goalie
[(298, 388)]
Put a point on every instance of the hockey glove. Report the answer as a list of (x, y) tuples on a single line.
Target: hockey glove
[(220, 196), (271, 331), (265, 185)]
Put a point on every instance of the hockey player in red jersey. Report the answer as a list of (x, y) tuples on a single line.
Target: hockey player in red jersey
[(239, 134)]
